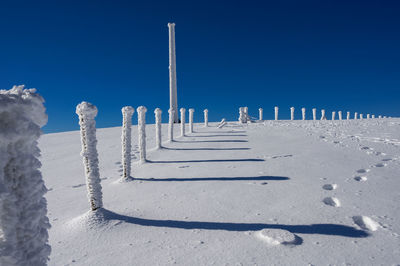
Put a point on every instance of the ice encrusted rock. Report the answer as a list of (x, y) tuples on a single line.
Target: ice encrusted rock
[(87, 112), (366, 223), (23, 208), (277, 236)]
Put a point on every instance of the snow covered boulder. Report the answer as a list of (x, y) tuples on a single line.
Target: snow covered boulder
[(277, 237), (23, 208)]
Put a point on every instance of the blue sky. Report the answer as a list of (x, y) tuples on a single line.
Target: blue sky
[(337, 55)]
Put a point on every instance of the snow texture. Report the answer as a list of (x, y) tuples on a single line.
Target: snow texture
[(23, 208), (87, 112), (260, 114), (141, 110), (291, 113), (314, 114), (183, 121), (157, 113), (191, 111), (171, 113), (205, 117), (303, 113), (276, 112), (366, 223), (126, 137)]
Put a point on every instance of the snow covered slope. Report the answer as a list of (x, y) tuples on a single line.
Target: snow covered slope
[(285, 192)]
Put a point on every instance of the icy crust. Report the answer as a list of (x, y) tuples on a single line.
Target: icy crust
[(23, 208), (87, 112), (127, 113)]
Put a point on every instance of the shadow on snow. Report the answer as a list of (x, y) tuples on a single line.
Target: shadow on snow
[(255, 178), (209, 161)]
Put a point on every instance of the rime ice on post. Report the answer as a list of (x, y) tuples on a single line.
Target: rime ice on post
[(355, 116), (87, 112), (173, 101), (141, 110), (368, 116), (314, 114), (23, 207), (191, 111), (323, 114), (157, 113), (260, 114), (183, 118), (303, 113), (379, 116), (348, 116), (333, 115), (205, 118), (340, 115), (127, 113), (242, 115), (171, 113), (361, 116), (373, 116), (246, 113), (291, 113), (276, 112)]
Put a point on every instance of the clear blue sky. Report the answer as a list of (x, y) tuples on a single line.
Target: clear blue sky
[(337, 55)]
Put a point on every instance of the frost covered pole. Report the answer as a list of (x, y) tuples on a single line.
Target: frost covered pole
[(379, 116), (191, 111), (368, 116), (127, 113), (348, 116), (260, 114), (246, 114), (303, 113), (291, 113), (183, 118), (355, 115), (361, 116), (373, 116), (205, 118), (157, 113), (276, 113), (323, 114), (333, 115), (242, 115), (173, 101), (340, 115), (87, 112), (314, 114), (141, 110), (23, 207), (171, 113)]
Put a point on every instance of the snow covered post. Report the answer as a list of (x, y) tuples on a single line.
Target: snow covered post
[(303, 113), (141, 110), (355, 116), (368, 116), (260, 114), (323, 114), (379, 116), (242, 115), (87, 112), (171, 113), (246, 114), (183, 118), (348, 116), (127, 113), (340, 115), (173, 96), (291, 113), (373, 116), (191, 111), (157, 113), (23, 207), (361, 116), (205, 117), (333, 115), (314, 114), (276, 113)]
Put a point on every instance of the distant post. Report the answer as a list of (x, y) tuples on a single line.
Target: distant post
[(340, 115), (141, 110), (303, 113), (260, 114), (171, 113), (205, 117), (314, 114), (333, 115), (355, 116), (291, 113), (276, 113), (348, 116), (191, 111), (127, 113), (323, 114), (157, 113), (183, 122)]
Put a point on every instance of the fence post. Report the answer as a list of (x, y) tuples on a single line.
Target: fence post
[(191, 111), (323, 114), (348, 116), (276, 113), (205, 117), (314, 114), (23, 207), (141, 110), (171, 118), (183, 121), (333, 115), (291, 113), (260, 114), (126, 137), (355, 116), (303, 113), (157, 113)]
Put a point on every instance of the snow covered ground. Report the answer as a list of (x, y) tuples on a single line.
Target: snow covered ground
[(285, 192)]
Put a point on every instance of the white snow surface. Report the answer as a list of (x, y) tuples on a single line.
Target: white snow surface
[(204, 199)]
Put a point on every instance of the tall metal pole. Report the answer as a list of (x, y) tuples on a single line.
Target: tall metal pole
[(173, 101)]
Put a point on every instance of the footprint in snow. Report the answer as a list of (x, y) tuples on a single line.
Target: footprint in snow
[(80, 185), (380, 165), (329, 186), (331, 201), (387, 160), (363, 171), (183, 166), (360, 178), (366, 223)]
